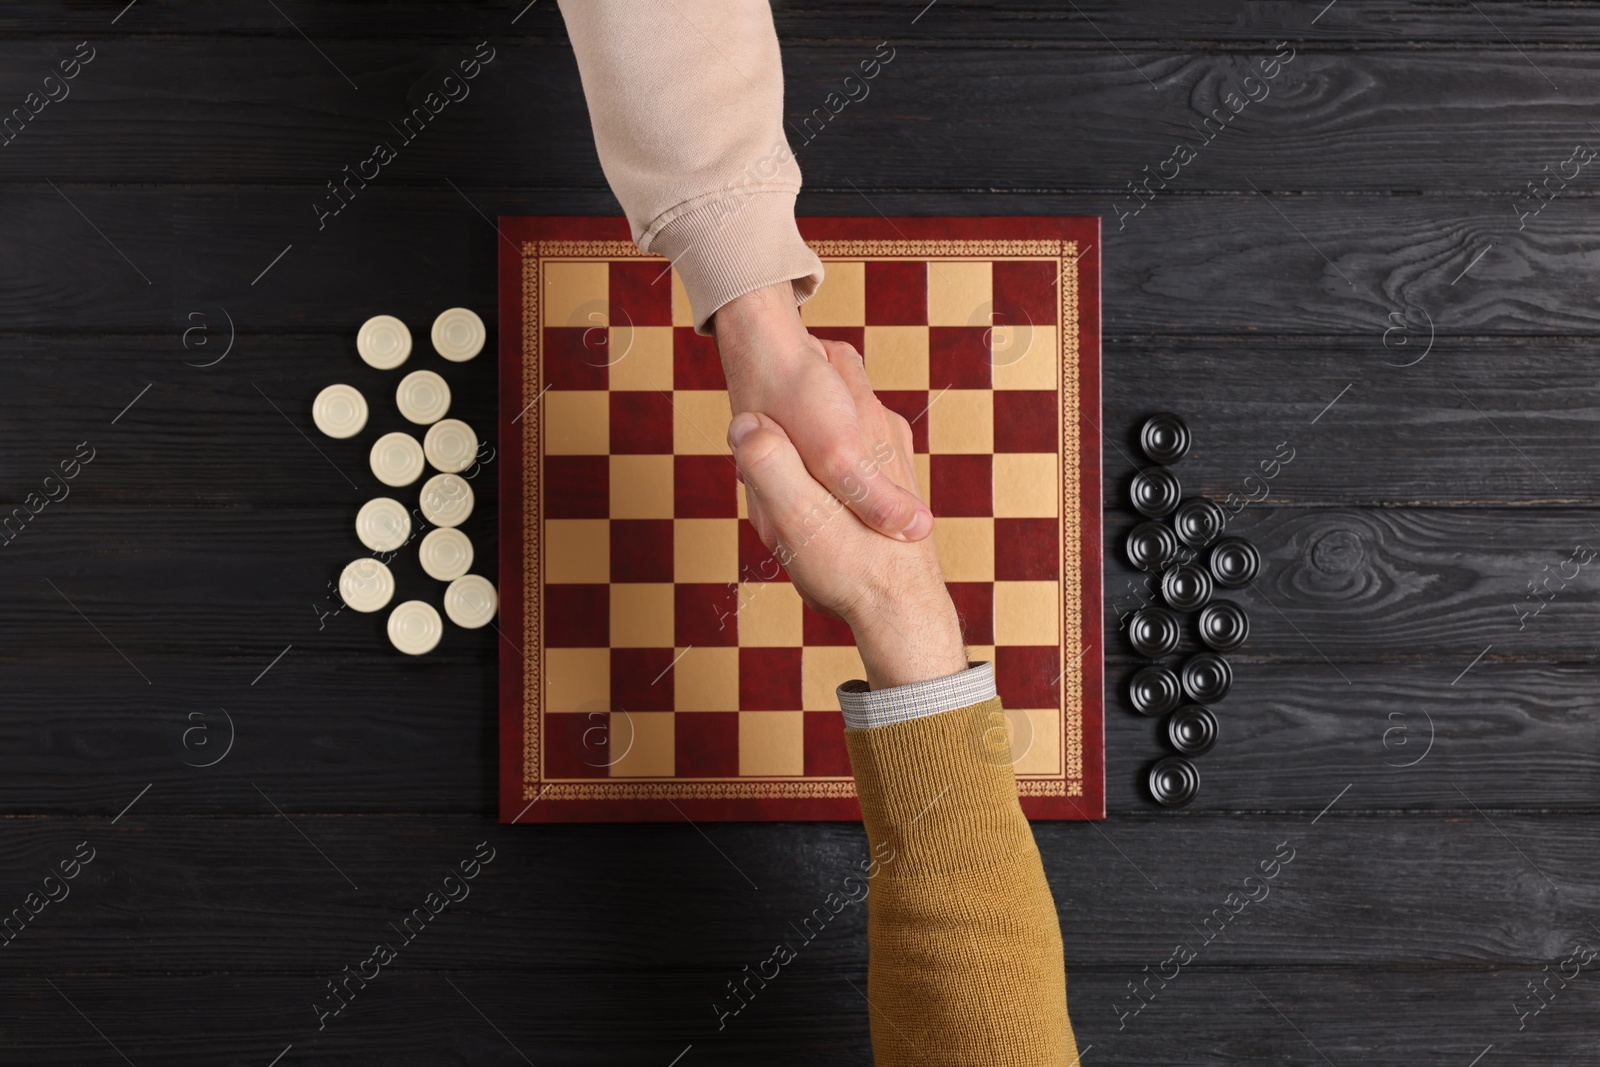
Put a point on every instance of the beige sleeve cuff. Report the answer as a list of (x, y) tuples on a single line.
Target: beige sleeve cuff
[(728, 245)]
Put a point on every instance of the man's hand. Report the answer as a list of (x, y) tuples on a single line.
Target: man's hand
[(775, 367), (891, 593)]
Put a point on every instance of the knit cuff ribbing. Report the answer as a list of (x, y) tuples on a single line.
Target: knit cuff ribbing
[(734, 244)]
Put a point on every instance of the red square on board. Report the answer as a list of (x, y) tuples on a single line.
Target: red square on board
[(706, 744), (695, 363), (577, 744), (1027, 550), (825, 752), (1025, 292), (704, 487), (974, 603), (1025, 420), (641, 550), (958, 357), (897, 293), (1028, 676), (575, 357), (911, 405), (769, 679), (641, 293), (640, 679), (962, 485), (577, 616), (756, 564), (817, 629), (705, 614), (855, 336), (577, 487), (641, 422)]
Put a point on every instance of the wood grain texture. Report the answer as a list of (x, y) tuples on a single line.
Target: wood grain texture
[(1376, 418), (229, 435), (1472, 120), (1338, 584), (248, 893), (1405, 583), (1312, 264), (341, 732), (1210, 1018), (235, 433), (1210, 25)]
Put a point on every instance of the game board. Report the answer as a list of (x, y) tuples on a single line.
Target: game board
[(657, 663)]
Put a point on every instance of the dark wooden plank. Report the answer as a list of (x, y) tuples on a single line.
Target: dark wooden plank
[(361, 734), (373, 734), (211, 436), (1210, 1017), (237, 432), (1473, 121), (463, 1019), (220, 583), (1396, 584), (1188, 265), (1378, 585), (167, 894), (1289, 1015), (1530, 23), (1401, 737), (295, 120), (1358, 425)]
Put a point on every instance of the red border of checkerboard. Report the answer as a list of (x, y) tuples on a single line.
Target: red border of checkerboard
[(513, 805)]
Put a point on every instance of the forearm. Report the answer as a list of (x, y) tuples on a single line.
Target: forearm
[(913, 638), (760, 336), (686, 101), (965, 963)]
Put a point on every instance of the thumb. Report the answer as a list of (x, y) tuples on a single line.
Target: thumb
[(789, 498)]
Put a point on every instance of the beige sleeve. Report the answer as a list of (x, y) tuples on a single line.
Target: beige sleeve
[(686, 101)]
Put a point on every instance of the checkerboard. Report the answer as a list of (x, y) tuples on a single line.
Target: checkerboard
[(658, 664)]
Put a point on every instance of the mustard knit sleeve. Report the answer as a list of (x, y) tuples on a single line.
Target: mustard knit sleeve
[(965, 963)]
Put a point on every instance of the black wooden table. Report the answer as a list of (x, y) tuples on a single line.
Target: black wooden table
[(1349, 259)]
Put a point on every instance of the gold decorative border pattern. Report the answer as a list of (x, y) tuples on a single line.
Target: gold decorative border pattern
[(1071, 522), (933, 248), (692, 790), (1028, 787), (591, 250), (828, 249), (1071, 784), (532, 503)]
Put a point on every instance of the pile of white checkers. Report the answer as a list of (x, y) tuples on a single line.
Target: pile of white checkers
[(450, 446)]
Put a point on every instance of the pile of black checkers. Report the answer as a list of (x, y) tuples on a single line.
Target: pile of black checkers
[(1181, 545)]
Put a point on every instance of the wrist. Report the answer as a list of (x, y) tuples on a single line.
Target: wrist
[(762, 324), (910, 642)]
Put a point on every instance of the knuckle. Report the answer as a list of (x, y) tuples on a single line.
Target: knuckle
[(840, 464), (760, 450), (838, 349), (883, 511)]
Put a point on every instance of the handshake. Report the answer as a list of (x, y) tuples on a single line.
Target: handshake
[(831, 488)]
